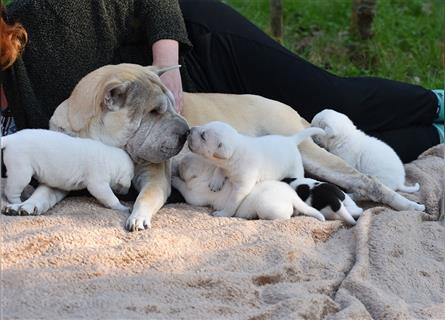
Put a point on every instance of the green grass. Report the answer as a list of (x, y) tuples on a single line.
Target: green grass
[(408, 42)]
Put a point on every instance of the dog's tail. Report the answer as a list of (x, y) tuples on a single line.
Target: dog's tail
[(308, 132), (409, 189), (345, 215)]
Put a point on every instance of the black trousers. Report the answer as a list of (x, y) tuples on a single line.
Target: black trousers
[(231, 55)]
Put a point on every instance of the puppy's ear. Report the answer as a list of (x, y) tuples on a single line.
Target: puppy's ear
[(115, 95), (329, 131), (222, 152)]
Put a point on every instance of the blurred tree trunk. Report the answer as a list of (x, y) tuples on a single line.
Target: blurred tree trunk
[(276, 19), (363, 12)]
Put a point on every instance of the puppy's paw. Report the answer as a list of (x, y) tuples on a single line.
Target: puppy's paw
[(414, 206), (221, 213), (355, 212), (121, 189), (11, 209), (30, 208), (21, 209), (121, 207), (138, 221), (316, 214), (216, 185), (176, 182)]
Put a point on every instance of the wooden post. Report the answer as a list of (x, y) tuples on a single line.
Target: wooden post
[(276, 19), (363, 12)]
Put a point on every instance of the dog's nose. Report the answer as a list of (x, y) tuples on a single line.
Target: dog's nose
[(184, 136)]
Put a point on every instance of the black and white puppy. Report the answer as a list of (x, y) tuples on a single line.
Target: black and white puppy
[(332, 202)]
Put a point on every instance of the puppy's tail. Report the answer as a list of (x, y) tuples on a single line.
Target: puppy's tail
[(345, 215), (301, 207), (409, 189), (308, 132)]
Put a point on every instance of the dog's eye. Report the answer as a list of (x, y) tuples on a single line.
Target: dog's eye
[(203, 136), (219, 145)]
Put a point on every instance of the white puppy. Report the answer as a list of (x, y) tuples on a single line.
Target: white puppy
[(246, 160), (333, 203), (267, 200), (66, 163), (366, 154)]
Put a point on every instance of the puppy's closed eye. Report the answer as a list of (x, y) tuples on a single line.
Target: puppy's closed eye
[(203, 136)]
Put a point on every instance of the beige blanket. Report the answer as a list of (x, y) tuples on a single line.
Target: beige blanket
[(77, 262)]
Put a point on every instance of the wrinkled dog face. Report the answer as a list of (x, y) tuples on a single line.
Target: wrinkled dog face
[(126, 106), (214, 140)]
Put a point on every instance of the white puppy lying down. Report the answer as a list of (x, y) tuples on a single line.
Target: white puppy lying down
[(333, 203), (366, 154), (267, 200), (63, 162), (246, 160)]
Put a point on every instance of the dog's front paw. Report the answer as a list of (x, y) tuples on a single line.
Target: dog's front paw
[(138, 221)]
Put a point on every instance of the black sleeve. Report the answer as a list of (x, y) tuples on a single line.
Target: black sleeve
[(162, 19)]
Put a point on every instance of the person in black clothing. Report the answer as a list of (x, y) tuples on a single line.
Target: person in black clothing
[(220, 51)]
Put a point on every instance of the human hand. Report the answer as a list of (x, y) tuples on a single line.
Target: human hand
[(166, 53), (172, 80)]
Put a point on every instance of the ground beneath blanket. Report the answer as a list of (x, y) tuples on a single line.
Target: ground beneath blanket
[(79, 262)]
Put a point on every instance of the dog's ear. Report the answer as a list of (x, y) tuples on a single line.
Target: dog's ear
[(222, 152), (115, 95), (161, 70), (59, 120)]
